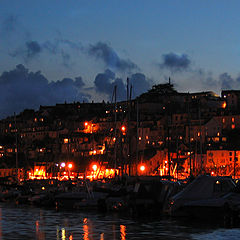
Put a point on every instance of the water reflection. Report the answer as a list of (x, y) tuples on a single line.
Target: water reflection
[(33, 223), (114, 231), (39, 233), (63, 234), (85, 229), (102, 236), (123, 232)]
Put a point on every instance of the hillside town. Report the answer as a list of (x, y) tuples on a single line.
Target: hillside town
[(162, 132)]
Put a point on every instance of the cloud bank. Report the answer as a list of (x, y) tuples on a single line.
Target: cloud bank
[(21, 89)]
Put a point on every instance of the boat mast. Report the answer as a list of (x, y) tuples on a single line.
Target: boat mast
[(189, 136), (16, 141), (128, 126), (200, 125), (137, 146), (115, 123), (168, 131)]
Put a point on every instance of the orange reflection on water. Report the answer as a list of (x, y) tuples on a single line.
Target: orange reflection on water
[(85, 229), (39, 233), (123, 232)]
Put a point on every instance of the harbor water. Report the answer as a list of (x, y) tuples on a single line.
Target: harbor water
[(24, 222)]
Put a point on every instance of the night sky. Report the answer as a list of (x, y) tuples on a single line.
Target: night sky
[(76, 50)]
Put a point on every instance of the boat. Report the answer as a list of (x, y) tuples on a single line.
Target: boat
[(151, 194), (206, 197)]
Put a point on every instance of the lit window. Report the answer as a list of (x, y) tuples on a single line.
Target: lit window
[(223, 120), (233, 126), (233, 119), (65, 140)]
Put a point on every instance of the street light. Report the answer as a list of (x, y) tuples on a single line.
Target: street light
[(94, 167), (123, 128), (142, 168)]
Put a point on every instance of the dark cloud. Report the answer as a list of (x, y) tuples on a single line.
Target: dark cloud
[(79, 82), (59, 47), (105, 53), (227, 82), (175, 62), (140, 84), (33, 48), (105, 82), (21, 89), (30, 50)]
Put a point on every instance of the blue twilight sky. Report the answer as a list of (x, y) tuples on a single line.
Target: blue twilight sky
[(75, 50)]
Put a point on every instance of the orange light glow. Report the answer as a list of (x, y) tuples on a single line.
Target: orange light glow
[(39, 172), (70, 165), (94, 167), (224, 105), (123, 128), (86, 124), (142, 168)]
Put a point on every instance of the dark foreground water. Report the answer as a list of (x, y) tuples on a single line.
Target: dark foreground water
[(35, 223)]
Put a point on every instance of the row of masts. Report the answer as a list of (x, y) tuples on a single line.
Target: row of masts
[(129, 157)]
